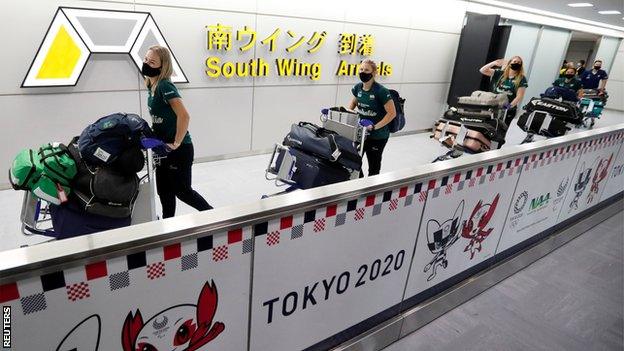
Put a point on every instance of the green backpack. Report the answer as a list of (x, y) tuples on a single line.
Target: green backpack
[(46, 172)]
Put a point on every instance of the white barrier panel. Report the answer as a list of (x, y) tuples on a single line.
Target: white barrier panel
[(462, 222), (323, 271), (615, 183), (190, 295), (590, 177), (545, 180)]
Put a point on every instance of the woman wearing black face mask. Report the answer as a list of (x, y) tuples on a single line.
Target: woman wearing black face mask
[(170, 121), (569, 81), (374, 103), (595, 78), (510, 81)]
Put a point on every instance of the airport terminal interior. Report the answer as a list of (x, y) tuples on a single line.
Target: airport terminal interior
[(278, 175)]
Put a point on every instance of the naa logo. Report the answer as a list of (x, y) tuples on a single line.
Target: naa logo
[(539, 202), (76, 33)]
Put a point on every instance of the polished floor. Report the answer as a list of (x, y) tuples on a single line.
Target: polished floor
[(240, 180), (571, 299)]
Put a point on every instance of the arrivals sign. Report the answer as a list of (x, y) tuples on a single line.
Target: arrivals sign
[(221, 38)]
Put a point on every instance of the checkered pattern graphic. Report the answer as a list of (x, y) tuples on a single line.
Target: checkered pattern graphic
[(156, 270), (273, 238), (409, 199), (33, 303), (189, 262), (78, 291), (422, 196), (449, 189), (394, 204), (119, 280), (319, 225), (377, 209), (247, 246), (359, 214), (341, 218), (220, 253), (296, 232)]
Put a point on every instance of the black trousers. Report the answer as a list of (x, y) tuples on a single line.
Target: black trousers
[(373, 149), (173, 179)]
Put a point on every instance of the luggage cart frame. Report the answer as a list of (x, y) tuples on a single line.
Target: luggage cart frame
[(346, 124)]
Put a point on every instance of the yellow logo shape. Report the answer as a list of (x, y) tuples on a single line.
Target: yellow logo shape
[(61, 58)]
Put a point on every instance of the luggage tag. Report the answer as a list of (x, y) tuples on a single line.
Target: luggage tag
[(463, 131), (546, 122), (61, 193)]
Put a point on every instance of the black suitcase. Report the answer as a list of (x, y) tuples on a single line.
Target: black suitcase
[(562, 110), (541, 123), (323, 143), (311, 171)]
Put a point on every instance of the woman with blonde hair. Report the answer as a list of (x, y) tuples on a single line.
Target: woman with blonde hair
[(510, 81), (170, 121), (375, 104)]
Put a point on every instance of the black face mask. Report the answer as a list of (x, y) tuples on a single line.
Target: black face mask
[(570, 76), (515, 66), (365, 77), (149, 71), (597, 68)]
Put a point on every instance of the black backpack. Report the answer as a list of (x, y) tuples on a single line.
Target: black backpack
[(102, 142), (399, 105)]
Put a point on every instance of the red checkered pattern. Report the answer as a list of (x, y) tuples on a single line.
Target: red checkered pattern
[(273, 238), (449, 189), (422, 196), (156, 270), (394, 204), (220, 253), (472, 182), (78, 291), (319, 225), (359, 214), (492, 176)]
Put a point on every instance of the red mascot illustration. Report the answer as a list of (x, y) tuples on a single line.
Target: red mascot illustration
[(601, 174), (183, 327), (474, 227)]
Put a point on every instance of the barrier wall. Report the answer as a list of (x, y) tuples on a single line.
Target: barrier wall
[(306, 270)]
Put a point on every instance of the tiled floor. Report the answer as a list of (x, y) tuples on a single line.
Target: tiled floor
[(571, 299), (241, 180)]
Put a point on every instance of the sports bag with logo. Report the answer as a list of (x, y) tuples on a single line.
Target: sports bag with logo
[(46, 172), (562, 110), (323, 143), (103, 190), (103, 141), (541, 123)]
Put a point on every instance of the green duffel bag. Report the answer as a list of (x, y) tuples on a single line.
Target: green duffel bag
[(45, 172)]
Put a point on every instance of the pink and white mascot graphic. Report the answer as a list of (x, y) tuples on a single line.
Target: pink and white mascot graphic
[(602, 171), (184, 327)]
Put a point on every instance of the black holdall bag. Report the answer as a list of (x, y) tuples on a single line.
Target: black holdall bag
[(493, 129), (323, 143), (103, 191), (541, 123), (310, 171), (565, 111)]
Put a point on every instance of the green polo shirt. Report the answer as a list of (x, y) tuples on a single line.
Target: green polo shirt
[(573, 83), (506, 86), (370, 105), (164, 119)]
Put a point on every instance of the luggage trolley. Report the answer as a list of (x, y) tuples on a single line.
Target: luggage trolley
[(36, 217), (591, 106), (282, 163)]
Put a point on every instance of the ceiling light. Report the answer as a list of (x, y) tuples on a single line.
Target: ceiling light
[(611, 12), (580, 4)]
